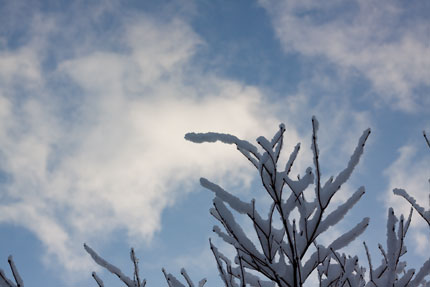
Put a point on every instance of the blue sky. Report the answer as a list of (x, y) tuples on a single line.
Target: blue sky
[(95, 100)]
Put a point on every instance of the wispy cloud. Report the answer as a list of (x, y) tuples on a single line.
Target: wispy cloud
[(376, 39), (96, 143), (93, 114)]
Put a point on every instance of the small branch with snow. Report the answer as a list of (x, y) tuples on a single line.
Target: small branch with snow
[(4, 281), (135, 282), (426, 138)]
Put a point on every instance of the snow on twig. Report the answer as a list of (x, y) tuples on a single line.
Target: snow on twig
[(18, 279), (111, 268), (425, 214), (98, 279)]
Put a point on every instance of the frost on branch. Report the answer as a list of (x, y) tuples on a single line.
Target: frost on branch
[(114, 270), (5, 282), (425, 214), (285, 255), (172, 281), (341, 270), (392, 271)]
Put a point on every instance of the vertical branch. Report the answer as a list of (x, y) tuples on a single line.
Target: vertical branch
[(187, 278), (316, 159), (370, 263), (18, 279), (242, 273), (98, 279), (136, 267), (167, 277), (428, 144), (297, 257)]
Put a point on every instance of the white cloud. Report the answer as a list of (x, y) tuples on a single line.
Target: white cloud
[(97, 143), (118, 157), (22, 64), (378, 39)]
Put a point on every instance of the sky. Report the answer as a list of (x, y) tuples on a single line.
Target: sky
[(96, 97)]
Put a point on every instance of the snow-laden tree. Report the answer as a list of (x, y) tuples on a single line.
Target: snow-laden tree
[(285, 256), (285, 251)]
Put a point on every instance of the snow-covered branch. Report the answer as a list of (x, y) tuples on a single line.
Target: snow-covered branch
[(425, 214), (171, 280), (426, 139), (279, 253), (111, 268), (392, 271), (6, 282)]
